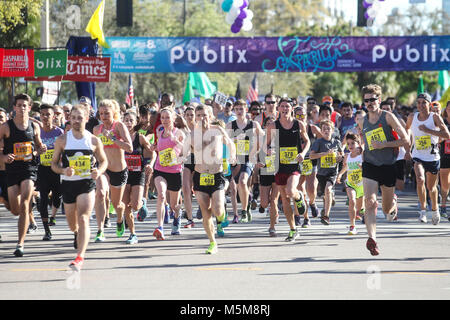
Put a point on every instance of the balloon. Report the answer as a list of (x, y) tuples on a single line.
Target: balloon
[(366, 16), (235, 10), (381, 19), (249, 14), (229, 18), (243, 14), (244, 5), (239, 22), (235, 28), (238, 3), (248, 25), (366, 4), (372, 12), (226, 5)]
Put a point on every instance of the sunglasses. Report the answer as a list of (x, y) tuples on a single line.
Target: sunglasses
[(271, 102), (370, 100)]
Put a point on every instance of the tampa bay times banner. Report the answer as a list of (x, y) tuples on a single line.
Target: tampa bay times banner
[(278, 54)]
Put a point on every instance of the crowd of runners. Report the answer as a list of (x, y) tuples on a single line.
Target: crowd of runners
[(279, 154)]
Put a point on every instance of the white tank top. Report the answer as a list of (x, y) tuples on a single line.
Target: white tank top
[(354, 174), (78, 153), (425, 146)]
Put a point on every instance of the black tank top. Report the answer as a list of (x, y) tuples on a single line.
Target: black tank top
[(445, 145), (248, 134), (21, 143), (135, 159), (290, 145)]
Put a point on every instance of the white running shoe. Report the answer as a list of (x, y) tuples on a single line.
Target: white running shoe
[(352, 231), (423, 216), (436, 217)]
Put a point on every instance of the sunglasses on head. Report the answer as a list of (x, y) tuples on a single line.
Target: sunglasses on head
[(370, 100)]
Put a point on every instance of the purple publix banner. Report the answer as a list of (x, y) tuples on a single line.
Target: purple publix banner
[(282, 54)]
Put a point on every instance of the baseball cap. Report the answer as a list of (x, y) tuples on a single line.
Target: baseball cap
[(84, 99), (327, 99), (424, 96)]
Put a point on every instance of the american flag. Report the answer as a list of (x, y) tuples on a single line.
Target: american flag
[(130, 93), (252, 94)]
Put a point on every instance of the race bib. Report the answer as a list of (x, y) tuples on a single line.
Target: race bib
[(225, 166), (81, 165), (167, 157), (307, 167), (46, 158), (106, 140), (270, 167), (328, 161), (375, 135), (23, 151), (423, 142), (242, 147), (134, 162), (354, 177), (447, 146), (288, 155), (206, 179)]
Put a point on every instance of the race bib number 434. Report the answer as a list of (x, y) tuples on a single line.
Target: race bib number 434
[(81, 165)]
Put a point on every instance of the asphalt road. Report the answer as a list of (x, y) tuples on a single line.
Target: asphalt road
[(324, 262)]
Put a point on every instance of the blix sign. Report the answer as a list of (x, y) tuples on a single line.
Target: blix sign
[(278, 54)]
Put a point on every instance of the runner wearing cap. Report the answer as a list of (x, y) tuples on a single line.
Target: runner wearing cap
[(426, 129)]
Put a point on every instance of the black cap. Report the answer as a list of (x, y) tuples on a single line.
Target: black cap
[(425, 96)]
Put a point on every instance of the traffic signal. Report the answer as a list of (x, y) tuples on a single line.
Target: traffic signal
[(124, 11)]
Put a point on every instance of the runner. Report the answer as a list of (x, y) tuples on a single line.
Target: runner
[(167, 171), (188, 171), (426, 129), (134, 190), (444, 172), (289, 153), (47, 180), (242, 131), (207, 141), (21, 138), (329, 150), (75, 150), (116, 141), (354, 187), (380, 154)]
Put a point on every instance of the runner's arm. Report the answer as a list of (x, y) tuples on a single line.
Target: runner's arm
[(442, 133), (42, 148), (126, 143)]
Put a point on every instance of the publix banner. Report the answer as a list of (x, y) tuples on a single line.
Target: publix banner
[(282, 54), (50, 63)]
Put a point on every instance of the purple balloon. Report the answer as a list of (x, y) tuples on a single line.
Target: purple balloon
[(366, 5), (366, 15), (242, 15), (245, 4), (239, 22), (235, 28)]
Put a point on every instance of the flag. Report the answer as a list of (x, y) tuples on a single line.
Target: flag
[(198, 84), (95, 25), (252, 94), (444, 80), (130, 92), (420, 88), (237, 95)]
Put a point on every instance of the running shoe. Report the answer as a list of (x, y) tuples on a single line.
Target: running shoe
[(143, 211), (235, 219), (220, 232), (76, 264), (314, 210), (297, 220), (107, 223), (176, 226), (133, 239), (212, 249), (120, 229), (261, 210), (199, 215), (32, 228), (159, 234), (435, 217), (423, 216), (244, 218), (272, 232), (352, 231), (189, 224), (293, 234), (443, 212), (300, 203), (371, 245), (19, 251), (325, 220), (47, 236), (306, 223), (224, 221), (52, 221), (100, 237)]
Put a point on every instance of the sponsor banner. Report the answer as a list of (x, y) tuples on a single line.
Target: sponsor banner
[(82, 69), (50, 63), (278, 54), (16, 62)]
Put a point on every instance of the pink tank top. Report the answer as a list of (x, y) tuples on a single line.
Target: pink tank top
[(107, 142), (167, 155)]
